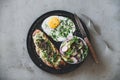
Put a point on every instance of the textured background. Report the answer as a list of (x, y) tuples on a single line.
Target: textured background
[(16, 17)]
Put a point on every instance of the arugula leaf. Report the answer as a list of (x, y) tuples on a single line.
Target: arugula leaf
[(70, 60), (69, 52)]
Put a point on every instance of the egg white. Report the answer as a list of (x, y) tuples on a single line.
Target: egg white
[(48, 30)]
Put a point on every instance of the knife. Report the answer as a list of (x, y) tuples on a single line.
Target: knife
[(81, 28)]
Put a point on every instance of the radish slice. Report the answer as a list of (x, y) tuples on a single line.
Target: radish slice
[(78, 56), (64, 48), (74, 53), (74, 59)]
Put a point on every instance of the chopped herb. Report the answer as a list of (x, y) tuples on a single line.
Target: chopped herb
[(70, 23), (55, 57)]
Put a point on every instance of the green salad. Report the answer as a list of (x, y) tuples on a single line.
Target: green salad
[(74, 50)]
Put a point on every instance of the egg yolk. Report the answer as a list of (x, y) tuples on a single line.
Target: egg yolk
[(53, 22)]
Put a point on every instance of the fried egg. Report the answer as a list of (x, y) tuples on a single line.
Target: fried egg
[(59, 28)]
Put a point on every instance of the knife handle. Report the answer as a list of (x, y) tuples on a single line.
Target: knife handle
[(91, 50)]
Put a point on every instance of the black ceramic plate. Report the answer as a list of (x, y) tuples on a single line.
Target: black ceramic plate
[(31, 48)]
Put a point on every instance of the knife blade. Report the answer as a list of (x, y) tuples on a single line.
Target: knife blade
[(82, 31)]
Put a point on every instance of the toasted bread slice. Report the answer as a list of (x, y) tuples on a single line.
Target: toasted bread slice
[(46, 50)]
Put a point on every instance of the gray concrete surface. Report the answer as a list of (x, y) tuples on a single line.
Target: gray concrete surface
[(16, 17)]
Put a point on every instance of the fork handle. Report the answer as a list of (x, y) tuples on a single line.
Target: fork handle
[(94, 55)]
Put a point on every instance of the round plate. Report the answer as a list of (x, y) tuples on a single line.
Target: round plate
[(31, 48)]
